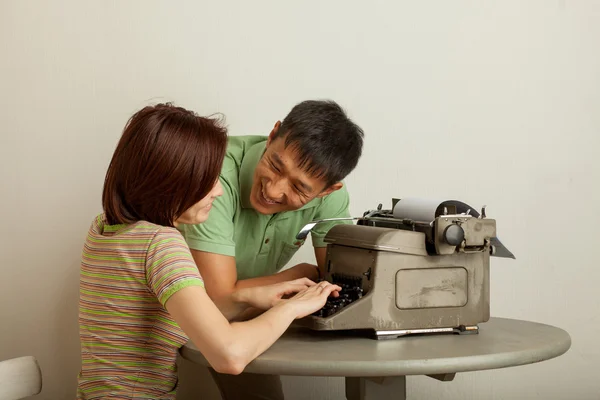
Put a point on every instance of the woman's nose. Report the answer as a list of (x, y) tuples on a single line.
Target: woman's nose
[(217, 189)]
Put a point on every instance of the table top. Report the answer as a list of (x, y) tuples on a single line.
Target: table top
[(500, 343)]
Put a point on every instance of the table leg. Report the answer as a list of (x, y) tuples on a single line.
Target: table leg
[(387, 388)]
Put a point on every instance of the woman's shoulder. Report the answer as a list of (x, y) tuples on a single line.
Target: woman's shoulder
[(138, 229), (158, 232)]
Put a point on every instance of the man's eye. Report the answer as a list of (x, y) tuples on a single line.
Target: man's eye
[(273, 166), (299, 190)]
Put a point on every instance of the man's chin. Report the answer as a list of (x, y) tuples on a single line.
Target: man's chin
[(266, 210)]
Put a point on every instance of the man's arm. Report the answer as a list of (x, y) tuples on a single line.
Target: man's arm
[(220, 274), (232, 307), (335, 205), (321, 256)]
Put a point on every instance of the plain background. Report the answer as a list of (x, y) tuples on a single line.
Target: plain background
[(489, 102)]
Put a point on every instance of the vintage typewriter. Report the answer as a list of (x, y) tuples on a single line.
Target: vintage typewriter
[(420, 267)]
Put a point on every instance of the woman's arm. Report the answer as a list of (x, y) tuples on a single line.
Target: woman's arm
[(227, 347), (230, 347)]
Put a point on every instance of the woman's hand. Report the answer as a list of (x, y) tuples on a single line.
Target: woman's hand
[(265, 297), (311, 299)]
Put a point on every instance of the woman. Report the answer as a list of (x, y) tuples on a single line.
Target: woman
[(141, 296)]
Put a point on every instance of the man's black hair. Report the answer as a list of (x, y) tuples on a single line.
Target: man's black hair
[(328, 143)]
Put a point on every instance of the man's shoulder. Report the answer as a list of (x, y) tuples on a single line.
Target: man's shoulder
[(237, 147)]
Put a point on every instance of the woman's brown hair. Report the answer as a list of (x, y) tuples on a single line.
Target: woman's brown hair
[(167, 159)]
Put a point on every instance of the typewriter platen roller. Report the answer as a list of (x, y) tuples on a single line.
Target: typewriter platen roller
[(404, 276)]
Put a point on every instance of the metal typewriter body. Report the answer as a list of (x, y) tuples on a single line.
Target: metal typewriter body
[(401, 276)]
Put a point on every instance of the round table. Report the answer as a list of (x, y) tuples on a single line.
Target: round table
[(366, 362)]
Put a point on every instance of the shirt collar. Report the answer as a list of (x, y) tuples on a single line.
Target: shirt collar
[(249, 163), (247, 167)]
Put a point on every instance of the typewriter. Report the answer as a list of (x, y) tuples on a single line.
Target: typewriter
[(420, 267)]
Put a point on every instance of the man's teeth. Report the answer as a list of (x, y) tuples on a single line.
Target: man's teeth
[(269, 201)]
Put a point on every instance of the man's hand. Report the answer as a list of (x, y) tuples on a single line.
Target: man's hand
[(265, 297)]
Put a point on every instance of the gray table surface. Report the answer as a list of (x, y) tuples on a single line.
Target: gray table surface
[(500, 343)]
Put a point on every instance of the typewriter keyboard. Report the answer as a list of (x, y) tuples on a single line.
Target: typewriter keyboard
[(351, 291)]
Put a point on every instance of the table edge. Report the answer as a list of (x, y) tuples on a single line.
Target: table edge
[(391, 368)]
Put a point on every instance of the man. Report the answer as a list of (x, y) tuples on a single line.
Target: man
[(272, 187)]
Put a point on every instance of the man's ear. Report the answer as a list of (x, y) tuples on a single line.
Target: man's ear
[(273, 132), (331, 189)]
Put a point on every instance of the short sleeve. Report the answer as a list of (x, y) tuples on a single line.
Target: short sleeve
[(169, 265), (334, 205), (216, 234)]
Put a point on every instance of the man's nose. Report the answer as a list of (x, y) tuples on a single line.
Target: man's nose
[(275, 190)]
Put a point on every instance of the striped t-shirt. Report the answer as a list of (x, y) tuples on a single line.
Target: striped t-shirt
[(129, 342)]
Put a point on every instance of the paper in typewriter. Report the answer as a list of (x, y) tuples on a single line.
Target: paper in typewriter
[(427, 209)]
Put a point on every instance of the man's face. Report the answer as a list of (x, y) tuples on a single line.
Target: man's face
[(279, 184)]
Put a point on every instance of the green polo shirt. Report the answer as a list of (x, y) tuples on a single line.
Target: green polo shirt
[(261, 244)]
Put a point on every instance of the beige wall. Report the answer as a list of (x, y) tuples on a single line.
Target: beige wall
[(491, 102)]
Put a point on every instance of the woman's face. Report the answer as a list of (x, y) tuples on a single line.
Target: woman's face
[(198, 213)]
